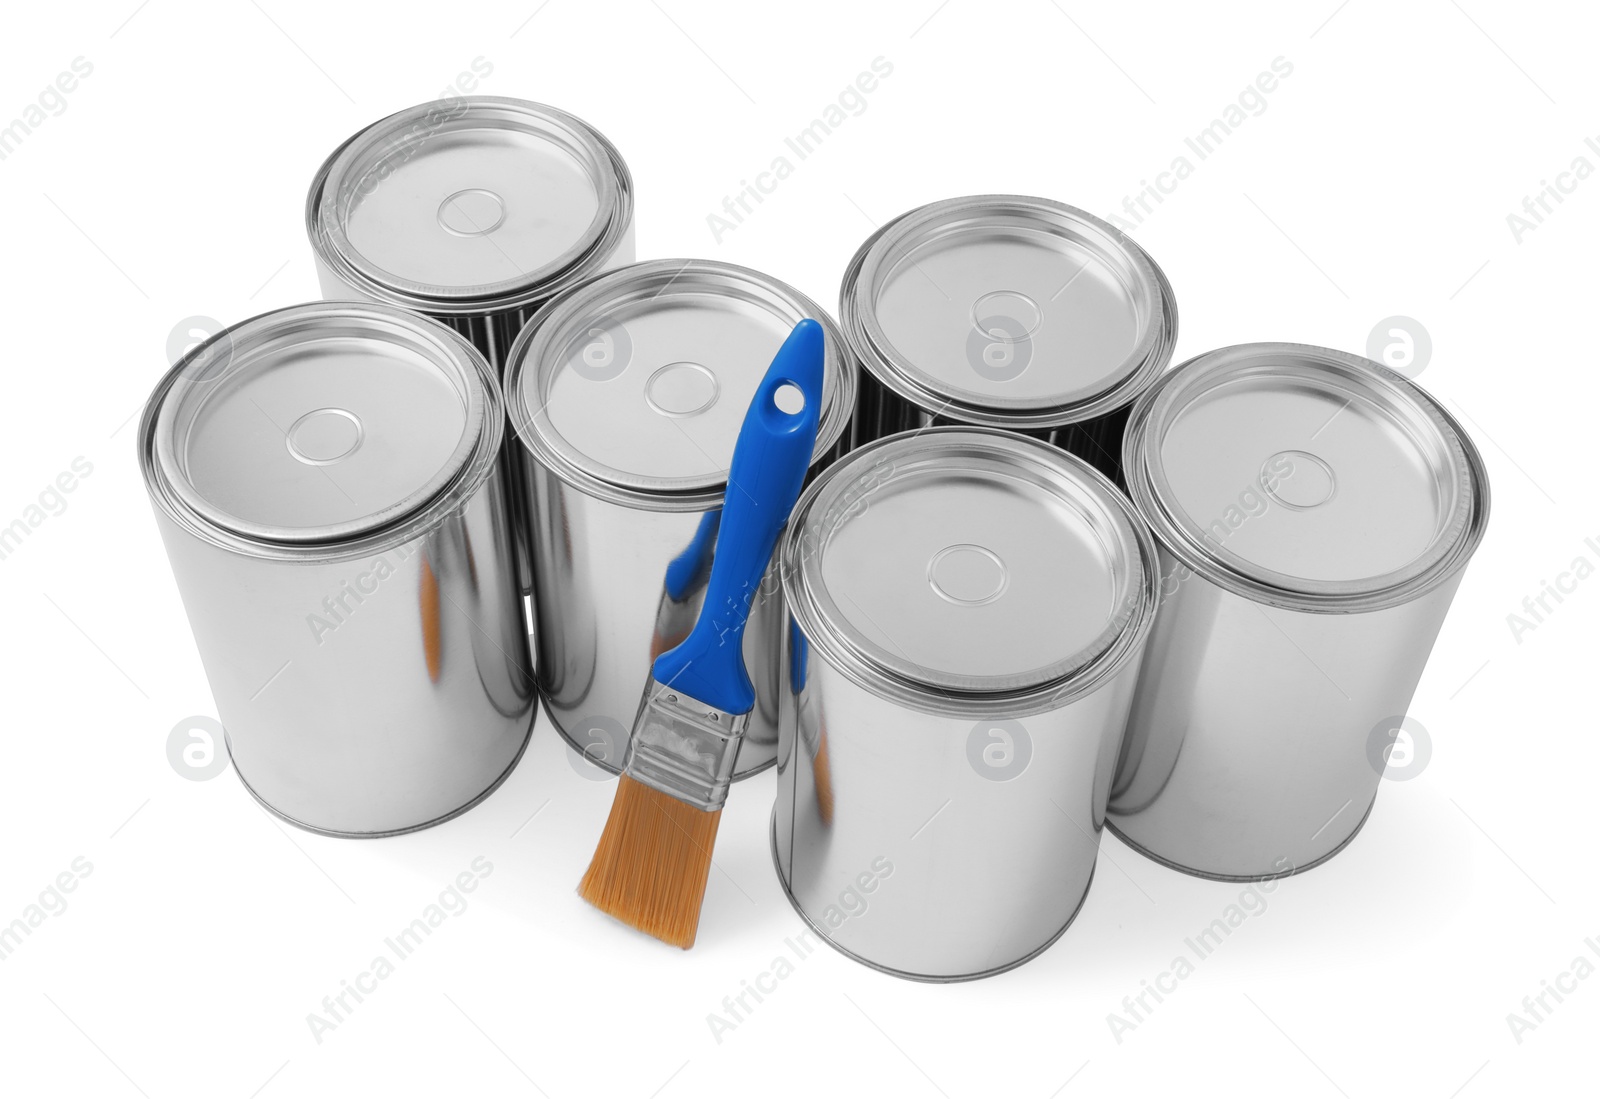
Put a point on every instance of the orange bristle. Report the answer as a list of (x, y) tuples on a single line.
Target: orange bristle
[(660, 644), (651, 867), (823, 779), (432, 646)]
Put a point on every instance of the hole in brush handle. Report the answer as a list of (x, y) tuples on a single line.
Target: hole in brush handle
[(789, 398), (781, 406)]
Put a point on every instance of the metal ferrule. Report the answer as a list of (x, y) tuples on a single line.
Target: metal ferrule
[(684, 748)]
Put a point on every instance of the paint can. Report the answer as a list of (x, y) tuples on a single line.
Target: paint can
[(474, 211), (626, 395), (970, 609), (326, 481), (1314, 512), (1011, 312)]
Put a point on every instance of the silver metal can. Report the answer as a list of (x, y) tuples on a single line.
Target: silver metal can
[(326, 481), (474, 211), (970, 609), (1314, 513), (627, 394), (1007, 311)]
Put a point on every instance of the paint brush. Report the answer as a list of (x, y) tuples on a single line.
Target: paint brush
[(654, 857)]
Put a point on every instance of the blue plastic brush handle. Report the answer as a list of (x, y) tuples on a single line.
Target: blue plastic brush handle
[(799, 653), (687, 568), (769, 466)]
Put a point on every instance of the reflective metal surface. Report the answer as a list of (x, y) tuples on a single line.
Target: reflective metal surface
[(964, 562), (605, 614), (474, 211), (1315, 513), (626, 395), (1007, 311), (940, 799), (637, 381), (319, 423), (370, 682), (469, 206)]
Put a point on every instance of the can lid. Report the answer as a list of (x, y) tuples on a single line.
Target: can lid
[(1305, 475), (639, 380), (968, 560), (321, 422), (1009, 311), (479, 199)]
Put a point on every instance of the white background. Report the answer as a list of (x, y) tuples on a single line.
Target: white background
[(1377, 182)]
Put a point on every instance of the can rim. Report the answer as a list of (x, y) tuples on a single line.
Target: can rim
[(1399, 397), (469, 465), (607, 171), (1116, 249), (1066, 680), (529, 360)]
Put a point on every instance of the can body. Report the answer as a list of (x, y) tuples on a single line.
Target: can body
[(1314, 514), (1250, 748), (907, 847), (881, 411), (968, 617), (367, 694), (604, 617), (326, 481)]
